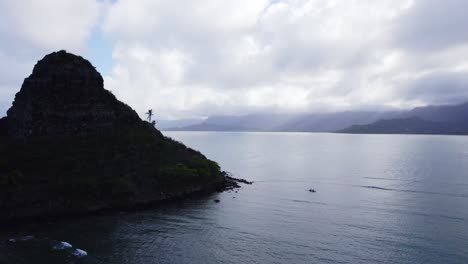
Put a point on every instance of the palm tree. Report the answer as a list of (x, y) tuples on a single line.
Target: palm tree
[(149, 114)]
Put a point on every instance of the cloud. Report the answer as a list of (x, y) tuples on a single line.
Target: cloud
[(213, 57), (191, 59), (432, 25), (48, 24), (31, 29)]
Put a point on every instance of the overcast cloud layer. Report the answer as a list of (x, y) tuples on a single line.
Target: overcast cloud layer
[(209, 57)]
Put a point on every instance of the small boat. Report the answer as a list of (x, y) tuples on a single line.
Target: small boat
[(312, 190)]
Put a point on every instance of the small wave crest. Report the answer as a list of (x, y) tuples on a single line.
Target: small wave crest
[(381, 178), (301, 201), (414, 191), (378, 188), (54, 245), (307, 202), (79, 253), (21, 239), (61, 245)]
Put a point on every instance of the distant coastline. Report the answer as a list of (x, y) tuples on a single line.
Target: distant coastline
[(437, 120)]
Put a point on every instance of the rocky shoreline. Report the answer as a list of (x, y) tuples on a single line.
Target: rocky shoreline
[(229, 184)]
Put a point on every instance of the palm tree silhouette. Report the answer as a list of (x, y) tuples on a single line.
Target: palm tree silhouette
[(150, 115)]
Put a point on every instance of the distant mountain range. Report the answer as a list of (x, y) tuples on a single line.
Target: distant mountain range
[(450, 120), (319, 122), (169, 124), (445, 119)]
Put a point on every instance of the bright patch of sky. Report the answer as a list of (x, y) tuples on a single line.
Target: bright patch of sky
[(100, 52)]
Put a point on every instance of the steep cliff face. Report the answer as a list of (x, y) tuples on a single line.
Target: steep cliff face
[(69, 146)]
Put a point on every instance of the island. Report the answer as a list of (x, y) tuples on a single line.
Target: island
[(69, 147)]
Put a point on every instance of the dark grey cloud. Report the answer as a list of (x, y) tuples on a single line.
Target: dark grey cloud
[(439, 88), (432, 25)]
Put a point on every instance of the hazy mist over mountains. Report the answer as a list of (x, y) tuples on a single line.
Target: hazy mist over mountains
[(445, 119), (319, 122)]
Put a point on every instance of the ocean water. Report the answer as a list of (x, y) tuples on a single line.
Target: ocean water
[(379, 199)]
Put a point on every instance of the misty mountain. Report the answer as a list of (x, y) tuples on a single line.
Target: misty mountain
[(251, 122), (444, 119), (318, 122), (442, 113), (329, 122), (411, 125), (449, 119), (165, 124)]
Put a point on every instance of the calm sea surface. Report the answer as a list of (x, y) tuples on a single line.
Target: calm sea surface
[(379, 199)]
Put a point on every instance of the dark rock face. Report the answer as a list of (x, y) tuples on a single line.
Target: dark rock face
[(3, 127), (65, 96), (68, 146)]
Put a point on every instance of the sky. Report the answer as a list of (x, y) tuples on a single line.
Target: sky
[(189, 59)]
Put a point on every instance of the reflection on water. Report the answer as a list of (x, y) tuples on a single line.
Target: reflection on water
[(379, 199)]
